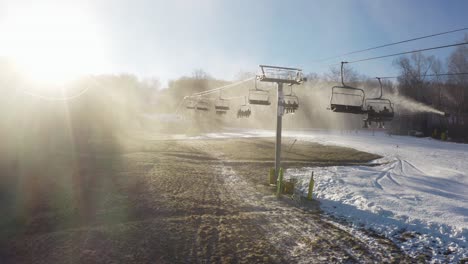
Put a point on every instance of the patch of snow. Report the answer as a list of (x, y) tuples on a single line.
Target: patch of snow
[(416, 194)]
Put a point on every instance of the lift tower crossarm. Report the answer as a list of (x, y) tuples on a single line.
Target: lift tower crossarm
[(278, 75)]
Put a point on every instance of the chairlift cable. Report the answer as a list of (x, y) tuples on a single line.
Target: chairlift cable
[(407, 52), (234, 97), (393, 43), (222, 87), (200, 97), (429, 75)]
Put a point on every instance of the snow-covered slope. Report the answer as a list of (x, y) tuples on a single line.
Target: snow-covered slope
[(417, 195)]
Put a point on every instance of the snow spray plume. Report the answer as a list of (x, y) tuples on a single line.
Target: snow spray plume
[(412, 105)]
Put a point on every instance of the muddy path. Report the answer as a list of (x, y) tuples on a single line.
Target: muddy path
[(196, 201)]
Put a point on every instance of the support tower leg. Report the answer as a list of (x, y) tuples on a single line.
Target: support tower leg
[(279, 121)]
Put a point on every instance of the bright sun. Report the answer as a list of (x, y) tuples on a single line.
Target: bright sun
[(51, 44)]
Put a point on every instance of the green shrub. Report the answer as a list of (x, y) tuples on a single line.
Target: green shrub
[(443, 136)]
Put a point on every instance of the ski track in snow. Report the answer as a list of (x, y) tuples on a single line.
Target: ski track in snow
[(417, 195)]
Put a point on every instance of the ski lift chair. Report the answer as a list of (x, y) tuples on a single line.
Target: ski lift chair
[(191, 103), (379, 109), (203, 105), (222, 104), (244, 110), (258, 96), (347, 99), (291, 102)]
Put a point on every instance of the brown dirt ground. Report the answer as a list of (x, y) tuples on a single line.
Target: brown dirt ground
[(186, 201)]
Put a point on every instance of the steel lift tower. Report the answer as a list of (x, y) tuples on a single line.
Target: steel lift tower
[(280, 76)]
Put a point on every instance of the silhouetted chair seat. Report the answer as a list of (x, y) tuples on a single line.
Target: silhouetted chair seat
[(259, 102), (352, 109), (221, 107)]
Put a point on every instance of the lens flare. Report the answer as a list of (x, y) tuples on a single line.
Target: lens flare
[(52, 44)]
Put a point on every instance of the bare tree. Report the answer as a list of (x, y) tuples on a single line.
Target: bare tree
[(412, 75), (349, 75), (458, 63), (200, 74)]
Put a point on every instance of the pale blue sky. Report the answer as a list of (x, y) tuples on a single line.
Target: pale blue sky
[(167, 39)]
